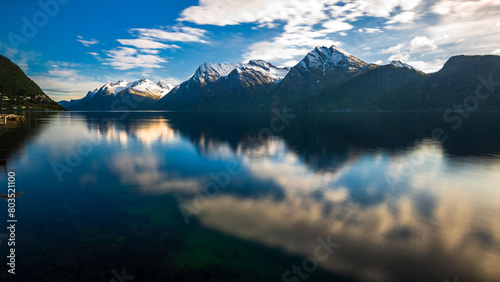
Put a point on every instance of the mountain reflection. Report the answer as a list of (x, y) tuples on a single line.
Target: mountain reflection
[(404, 207)]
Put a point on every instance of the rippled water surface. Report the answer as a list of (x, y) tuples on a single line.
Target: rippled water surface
[(246, 197)]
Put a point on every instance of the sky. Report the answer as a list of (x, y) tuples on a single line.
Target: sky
[(70, 47)]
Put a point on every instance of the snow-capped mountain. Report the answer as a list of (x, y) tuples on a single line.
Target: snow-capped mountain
[(400, 64), (144, 91), (221, 86), (218, 86), (142, 86), (329, 59), (320, 69), (208, 72), (327, 78), (165, 85), (275, 72)]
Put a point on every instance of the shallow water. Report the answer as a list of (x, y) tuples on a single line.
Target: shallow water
[(247, 197)]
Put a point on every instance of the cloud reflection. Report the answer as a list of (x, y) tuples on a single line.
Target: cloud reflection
[(439, 218), (438, 221)]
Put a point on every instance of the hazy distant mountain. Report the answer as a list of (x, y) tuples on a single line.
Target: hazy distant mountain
[(18, 90), (224, 86), (142, 94)]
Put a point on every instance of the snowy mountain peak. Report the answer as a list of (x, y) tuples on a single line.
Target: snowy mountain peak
[(121, 83), (142, 81), (331, 50), (329, 58), (400, 64), (164, 84), (276, 72), (261, 63), (147, 87), (142, 86), (208, 72)]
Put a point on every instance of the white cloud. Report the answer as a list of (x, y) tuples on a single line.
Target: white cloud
[(335, 26), (86, 43), (422, 43), (427, 66), (174, 34), (290, 63), (64, 83), (393, 49), (472, 21), (146, 51), (288, 45), (145, 44), (370, 30), (125, 58), (62, 72), (274, 50), (403, 52), (464, 8), (151, 51), (496, 52), (232, 12), (405, 17), (305, 24), (403, 56)]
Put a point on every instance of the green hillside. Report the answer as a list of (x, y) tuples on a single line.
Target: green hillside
[(18, 90)]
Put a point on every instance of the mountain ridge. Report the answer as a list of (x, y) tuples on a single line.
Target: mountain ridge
[(330, 79), (144, 91), (224, 86)]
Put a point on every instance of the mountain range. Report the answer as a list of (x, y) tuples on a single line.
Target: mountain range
[(327, 78), (141, 94)]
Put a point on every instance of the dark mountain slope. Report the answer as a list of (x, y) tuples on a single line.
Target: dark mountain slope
[(403, 89), (223, 87), (19, 90), (320, 70)]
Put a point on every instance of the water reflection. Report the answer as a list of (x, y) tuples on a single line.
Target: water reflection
[(403, 206)]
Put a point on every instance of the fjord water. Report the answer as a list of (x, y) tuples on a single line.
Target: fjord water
[(167, 196)]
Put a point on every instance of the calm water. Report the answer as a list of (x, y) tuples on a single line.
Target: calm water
[(244, 197)]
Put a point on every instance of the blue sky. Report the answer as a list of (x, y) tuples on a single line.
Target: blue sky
[(72, 46)]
